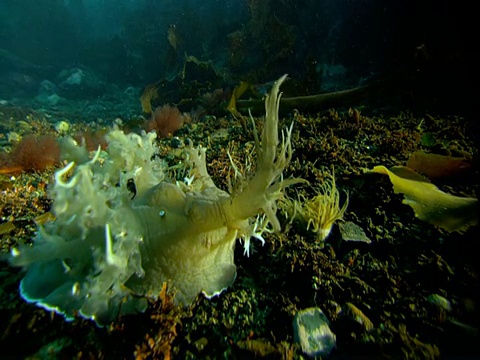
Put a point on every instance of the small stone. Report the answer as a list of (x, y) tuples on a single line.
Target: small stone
[(440, 301), (13, 137), (118, 121), (62, 127), (311, 330), (201, 343), (352, 232), (176, 142)]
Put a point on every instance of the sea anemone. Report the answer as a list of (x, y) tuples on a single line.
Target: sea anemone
[(321, 212)]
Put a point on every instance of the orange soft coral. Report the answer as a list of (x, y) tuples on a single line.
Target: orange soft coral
[(32, 153), (436, 166), (92, 139), (165, 120)]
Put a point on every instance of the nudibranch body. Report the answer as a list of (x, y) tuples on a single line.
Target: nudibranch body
[(107, 251)]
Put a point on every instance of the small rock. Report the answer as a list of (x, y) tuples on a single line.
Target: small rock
[(356, 315), (13, 137), (62, 127), (352, 232), (47, 94), (311, 330), (76, 83), (440, 301), (176, 142), (47, 88)]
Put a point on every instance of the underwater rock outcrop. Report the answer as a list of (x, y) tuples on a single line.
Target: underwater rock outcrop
[(110, 248)]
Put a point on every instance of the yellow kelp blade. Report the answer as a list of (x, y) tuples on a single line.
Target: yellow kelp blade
[(452, 213), (237, 92), (149, 94)]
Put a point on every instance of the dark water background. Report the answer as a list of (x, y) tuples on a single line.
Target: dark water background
[(326, 45)]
